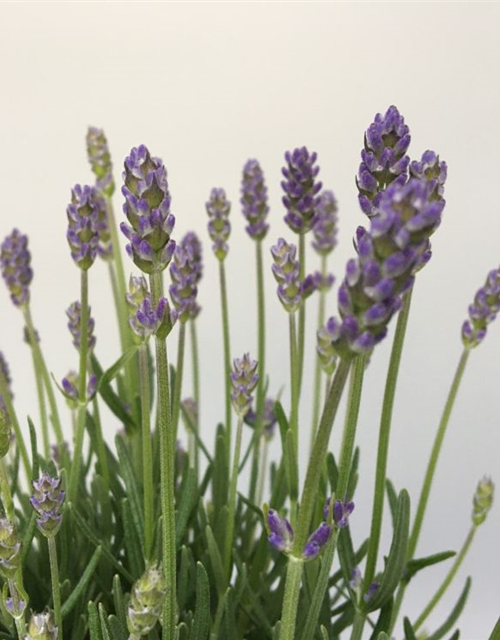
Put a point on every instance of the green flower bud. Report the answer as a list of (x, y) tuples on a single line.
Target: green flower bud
[(41, 627), (482, 501), (10, 549)]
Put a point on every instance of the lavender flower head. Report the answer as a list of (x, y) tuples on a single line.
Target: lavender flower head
[(42, 627), (244, 379), (84, 214), (254, 200), (147, 207), (286, 271), (325, 228), (301, 189), (482, 311), (70, 384), (15, 262), (268, 418), (146, 602), (183, 290), (100, 160), (190, 242), (383, 159), (219, 227), (280, 532), (483, 500), (316, 541), (433, 170), (148, 320), (340, 511), (74, 313), (47, 500), (10, 549)]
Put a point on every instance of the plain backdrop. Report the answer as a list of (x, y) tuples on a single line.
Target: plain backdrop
[(208, 85)]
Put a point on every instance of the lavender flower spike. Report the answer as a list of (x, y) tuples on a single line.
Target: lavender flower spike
[(269, 418), (383, 159), (219, 227), (482, 311), (147, 207), (254, 200), (317, 540), (280, 532), (244, 379), (70, 386), (301, 189), (100, 160), (286, 271), (146, 603), (191, 243), (15, 262), (47, 500), (433, 170), (148, 321), (42, 627), (84, 213), (183, 290), (325, 228), (74, 313), (483, 500)]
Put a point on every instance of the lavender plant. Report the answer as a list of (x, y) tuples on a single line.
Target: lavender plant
[(141, 538)]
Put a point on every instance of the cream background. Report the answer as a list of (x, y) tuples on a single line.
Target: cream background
[(208, 85)]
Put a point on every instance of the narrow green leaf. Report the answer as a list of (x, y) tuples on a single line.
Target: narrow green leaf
[(216, 561), (34, 451), (201, 622), (332, 471), (416, 565), (358, 557), (118, 599), (455, 613), (117, 366), (110, 397), (116, 628), (28, 536), (133, 494), (392, 499), (186, 504), (347, 557), (94, 623), (495, 634), (383, 636), (324, 633), (193, 430), (183, 591), (132, 543), (345, 620), (353, 476), (456, 635), (292, 466), (106, 633), (220, 482), (229, 619), (384, 620), (397, 555), (408, 629), (77, 592)]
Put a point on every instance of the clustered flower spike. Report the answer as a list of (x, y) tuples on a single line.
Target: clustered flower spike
[(254, 200), (286, 270), (482, 311), (147, 207), (42, 627), (70, 385), (383, 159), (317, 540), (47, 500), (325, 228), (144, 319), (219, 227), (244, 378), (84, 220), (10, 549), (433, 170), (269, 418), (15, 262), (191, 243), (483, 500), (301, 189), (183, 290), (74, 313), (100, 160), (389, 254), (146, 602)]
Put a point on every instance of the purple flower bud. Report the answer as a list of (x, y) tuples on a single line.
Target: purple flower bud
[(372, 590), (341, 513), (254, 200), (286, 271), (15, 261), (433, 170), (147, 207), (280, 532), (70, 385), (482, 311), (84, 213), (100, 160), (383, 159), (47, 500), (15, 608), (317, 541), (325, 228), (183, 290), (268, 418), (148, 321), (219, 227), (74, 313), (356, 579), (244, 379), (301, 189), (191, 408)]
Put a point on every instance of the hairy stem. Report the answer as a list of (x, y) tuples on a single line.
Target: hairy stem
[(227, 353), (4, 392), (176, 400), (233, 485), (193, 449), (56, 590), (317, 369), (147, 452)]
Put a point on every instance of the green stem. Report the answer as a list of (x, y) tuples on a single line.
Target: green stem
[(232, 500), (495, 634), (176, 401), (383, 441), (101, 446), (43, 409), (193, 449), (318, 370), (56, 590), (82, 391), (7, 502), (16, 602), (147, 452), (357, 627), (447, 581), (291, 597), (167, 456), (227, 353), (294, 383), (4, 392), (302, 310), (264, 447)]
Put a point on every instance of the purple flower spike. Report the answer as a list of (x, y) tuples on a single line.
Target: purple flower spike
[(70, 385), (341, 513), (74, 313), (254, 200), (191, 243), (433, 170), (244, 379), (301, 189), (100, 160), (325, 228), (286, 271), (147, 207), (372, 590), (317, 541), (148, 321), (183, 290), (219, 227), (356, 579), (15, 262), (280, 532), (47, 500), (85, 213), (482, 311), (383, 159), (268, 418)]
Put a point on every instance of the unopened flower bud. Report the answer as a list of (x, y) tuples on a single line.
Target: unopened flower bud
[(482, 501), (42, 627), (10, 549), (146, 602), (47, 500)]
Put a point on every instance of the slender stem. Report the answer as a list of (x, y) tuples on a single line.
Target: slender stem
[(448, 579), (193, 449), (4, 392), (147, 452), (232, 500), (167, 453), (16, 601), (176, 400), (383, 441), (7, 502), (227, 353), (82, 391), (43, 408), (318, 370), (357, 627), (56, 590), (294, 382), (101, 446), (291, 597), (495, 634), (264, 448), (302, 310)]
